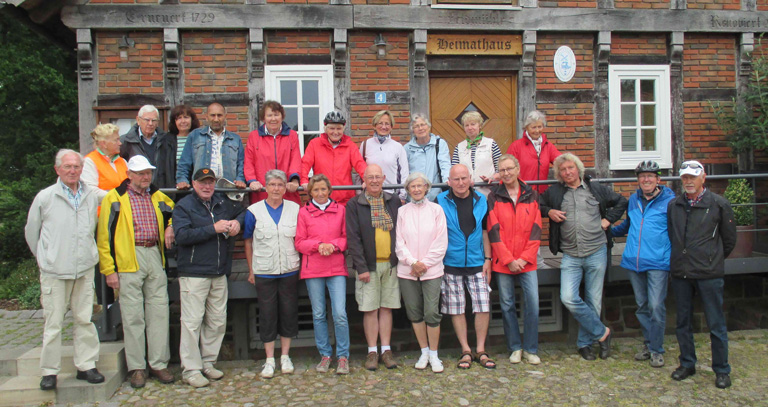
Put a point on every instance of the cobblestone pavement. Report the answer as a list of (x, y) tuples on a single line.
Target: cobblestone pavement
[(563, 379)]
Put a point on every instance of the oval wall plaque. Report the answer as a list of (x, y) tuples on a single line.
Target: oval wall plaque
[(565, 63)]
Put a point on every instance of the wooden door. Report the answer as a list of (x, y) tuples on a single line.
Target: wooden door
[(493, 96)]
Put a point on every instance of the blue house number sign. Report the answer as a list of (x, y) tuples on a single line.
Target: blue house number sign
[(381, 97)]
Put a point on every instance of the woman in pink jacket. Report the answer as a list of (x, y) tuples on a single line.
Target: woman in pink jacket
[(322, 238), (422, 239)]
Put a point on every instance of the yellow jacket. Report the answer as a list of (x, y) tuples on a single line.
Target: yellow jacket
[(115, 236)]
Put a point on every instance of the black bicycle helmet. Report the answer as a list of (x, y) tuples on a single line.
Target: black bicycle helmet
[(648, 166), (335, 117)]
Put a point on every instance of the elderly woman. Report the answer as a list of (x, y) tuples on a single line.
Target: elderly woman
[(270, 228), (272, 146), (534, 151), (479, 153), (322, 238), (333, 154), (385, 152), (422, 239), (428, 153), (183, 120), (103, 168), (514, 230)]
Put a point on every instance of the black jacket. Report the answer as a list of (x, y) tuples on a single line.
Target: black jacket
[(201, 252), (702, 236), (612, 206), (361, 237), (165, 155)]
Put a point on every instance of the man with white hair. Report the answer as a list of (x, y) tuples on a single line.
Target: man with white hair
[(580, 214), (66, 208), (144, 138), (702, 231)]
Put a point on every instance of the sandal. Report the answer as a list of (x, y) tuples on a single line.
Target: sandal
[(487, 363), (463, 362)]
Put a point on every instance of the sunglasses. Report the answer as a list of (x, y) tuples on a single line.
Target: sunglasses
[(695, 166)]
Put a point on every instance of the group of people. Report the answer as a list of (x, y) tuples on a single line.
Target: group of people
[(420, 246)]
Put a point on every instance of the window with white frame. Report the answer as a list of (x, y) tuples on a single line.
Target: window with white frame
[(306, 93), (640, 115)]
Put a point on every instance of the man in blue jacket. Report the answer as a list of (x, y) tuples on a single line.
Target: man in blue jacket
[(646, 257), (204, 223)]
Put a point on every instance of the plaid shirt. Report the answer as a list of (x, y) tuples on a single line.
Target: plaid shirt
[(74, 198), (144, 217), (696, 200)]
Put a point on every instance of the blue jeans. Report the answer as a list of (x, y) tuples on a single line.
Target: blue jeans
[(586, 311), (529, 282), (650, 292), (711, 293), (337, 288)]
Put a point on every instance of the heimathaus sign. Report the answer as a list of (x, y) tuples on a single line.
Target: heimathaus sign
[(457, 44)]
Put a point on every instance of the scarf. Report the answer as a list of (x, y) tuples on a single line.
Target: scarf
[(473, 143), (382, 139), (379, 216)]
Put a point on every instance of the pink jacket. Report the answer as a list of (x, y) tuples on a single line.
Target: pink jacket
[(314, 227), (421, 236)]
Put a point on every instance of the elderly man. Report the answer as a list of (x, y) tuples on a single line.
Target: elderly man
[(371, 219), (59, 232), (580, 214), (702, 231), (133, 226), (212, 147), (203, 222), (646, 257), (145, 139), (467, 263)]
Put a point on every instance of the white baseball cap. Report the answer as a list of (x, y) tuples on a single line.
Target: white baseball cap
[(139, 163), (691, 168)]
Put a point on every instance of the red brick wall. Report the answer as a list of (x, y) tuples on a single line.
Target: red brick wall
[(638, 44), (215, 61), (715, 4), (237, 119), (762, 5), (704, 140), (709, 61), (582, 46), (368, 74), (571, 128), (644, 4), (298, 42), (140, 73)]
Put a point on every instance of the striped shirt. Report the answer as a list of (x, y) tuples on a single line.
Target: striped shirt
[(74, 197), (495, 151), (216, 143), (144, 218)]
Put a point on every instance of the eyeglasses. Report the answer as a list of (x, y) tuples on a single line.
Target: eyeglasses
[(648, 175), (375, 177), (420, 125), (417, 186), (152, 121), (505, 170), (692, 165), (383, 124)]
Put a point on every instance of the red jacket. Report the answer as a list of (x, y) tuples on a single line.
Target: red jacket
[(264, 152), (315, 226), (533, 167), (335, 163), (514, 229)]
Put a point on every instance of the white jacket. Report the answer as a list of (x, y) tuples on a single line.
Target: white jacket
[(62, 238), (483, 164), (274, 250)]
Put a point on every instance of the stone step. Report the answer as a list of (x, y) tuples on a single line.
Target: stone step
[(25, 390), (111, 357)]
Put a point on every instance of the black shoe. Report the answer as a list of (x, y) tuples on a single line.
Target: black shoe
[(91, 375), (723, 381), (605, 346), (586, 353), (682, 373), (49, 382)]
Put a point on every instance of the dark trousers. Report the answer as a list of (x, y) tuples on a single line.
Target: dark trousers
[(711, 293), (278, 307)]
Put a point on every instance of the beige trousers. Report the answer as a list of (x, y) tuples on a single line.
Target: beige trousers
[(203, 320), (58, 295), (144, 308)]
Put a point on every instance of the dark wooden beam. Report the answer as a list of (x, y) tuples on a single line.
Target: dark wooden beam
[(703, 95), (565, 96)]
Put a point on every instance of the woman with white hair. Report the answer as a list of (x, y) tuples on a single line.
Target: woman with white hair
[(103, 168), (534, 151), (422, 239), (479, 153), (428, 153)]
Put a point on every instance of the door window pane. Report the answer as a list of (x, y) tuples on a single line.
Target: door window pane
[(647, 90), (627, 90), (288, 94), (292, 117), (628, 115), (309, 92), (648, 117), (649, 139), (628, 140), (312, 119)]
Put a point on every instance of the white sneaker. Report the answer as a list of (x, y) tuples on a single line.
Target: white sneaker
[(423, 361), (437, 364), (531, 358), (268, 371), (516, 356), (286, 366), (211, 372), (196, 379)]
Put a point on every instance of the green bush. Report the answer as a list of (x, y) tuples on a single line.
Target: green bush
[(30, 298), (20, 278), (739, 192)]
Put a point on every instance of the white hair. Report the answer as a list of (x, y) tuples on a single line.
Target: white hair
[(64, 152), (534, 117), (147, 109)]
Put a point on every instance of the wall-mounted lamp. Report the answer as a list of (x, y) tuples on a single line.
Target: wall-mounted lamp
[(123, 44), (380, 46)]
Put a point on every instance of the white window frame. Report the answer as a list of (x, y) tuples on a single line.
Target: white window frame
[(627, 160), (273, 74)]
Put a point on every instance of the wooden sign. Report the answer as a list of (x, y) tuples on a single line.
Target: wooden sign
[(479, 44)]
